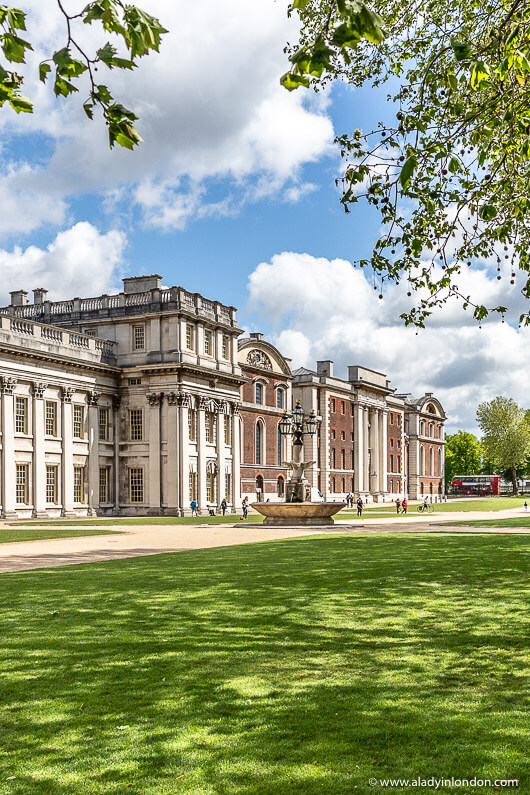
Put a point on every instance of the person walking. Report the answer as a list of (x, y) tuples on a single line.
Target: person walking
[(224, 505), (398, 505), (359, 507), (525, 505), (404, 505), (244, 505), (194, 507)]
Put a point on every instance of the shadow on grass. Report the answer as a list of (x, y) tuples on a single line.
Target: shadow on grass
[(298, 666)]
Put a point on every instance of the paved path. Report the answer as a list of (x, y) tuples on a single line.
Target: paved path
[(139, 540)]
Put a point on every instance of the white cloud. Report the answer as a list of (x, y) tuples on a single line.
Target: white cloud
[(211, 107), (327, 309), (80, 261)]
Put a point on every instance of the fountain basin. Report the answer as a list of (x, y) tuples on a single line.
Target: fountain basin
[(298, 514)]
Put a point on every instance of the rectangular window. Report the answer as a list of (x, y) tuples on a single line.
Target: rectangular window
[(51, 485), (333, 458), (51, 418), (399, 463), (351, 436), (79, 484), (209, 421), (104, 480), (192, 425), (343, 435), (193, 486), (228, 486), (333, 433), (343, 459), (210, 488), (391, 443), (332, 406), (226, 347), (208, 343), (138, 338), (391, 463), (351, 412), (259, 393), (342, 407), (136, 484), (134, 381), (103, 424), (21, 415), (136, 425), (78, 421), (279, 398), (391, 418), (228, 430), (22, 484), (351, 461), (189, 337)]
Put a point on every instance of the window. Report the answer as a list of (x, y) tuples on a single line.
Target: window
[(136, 425), (333, 458), (210, 487), (422, 428), (90, 332), (351, 412), (104, 480), (21, 415), (193, 486), (192, 425), (136, 484), (342, 407), (422, 461), (333, 433), (279, 398), (209, 419), (391, 418), (22, 484), (279, 446), (332, 406), (398, 464), (138, 338), (439, 463), (351, 436), (208, 343), (391, 443), (79, 484), (351, 460), (332, 485), (228, 485), (259, 486), (343, 485), (103, 424), (78, 421), (51, 418), (226, 347), (51, 485), (258, 393), (134, 381), (228, 430), (343, 435), (343, 460), (258, 443), (391, 463), (189, 337), (431, 461), (280, 486)]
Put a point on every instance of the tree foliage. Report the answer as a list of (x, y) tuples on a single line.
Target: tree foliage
[(506, 429), (463, 455), (450, 177), (138, 32)]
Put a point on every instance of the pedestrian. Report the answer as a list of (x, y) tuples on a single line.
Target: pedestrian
[(244, 505), (525, 505), (211, 509), (425, 504), (398, 505), (349, 500), (224, 505), (194, 507), (404, 505), (359, 507)]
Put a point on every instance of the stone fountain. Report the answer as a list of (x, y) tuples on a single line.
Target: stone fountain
[(298, 510)]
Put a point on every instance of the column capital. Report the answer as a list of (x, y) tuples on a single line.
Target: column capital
[(184, 400), (171, 398), (8, 384), (67, 394), (93, 398), (204, 404), (39, 389), (222, 407), (236, 407), (116, 402), (155, 398)]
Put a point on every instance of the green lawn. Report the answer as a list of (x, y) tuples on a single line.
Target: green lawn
[(484, 504), (524, 521), (116, 520), (21, 533), (303, 666)]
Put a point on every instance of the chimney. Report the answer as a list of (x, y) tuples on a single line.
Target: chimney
[(39, 295), (141, 284), (256, 335), (325, 368), (18, 298)]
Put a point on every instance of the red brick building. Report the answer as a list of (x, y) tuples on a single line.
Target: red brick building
[(265, 397), (424, 426)]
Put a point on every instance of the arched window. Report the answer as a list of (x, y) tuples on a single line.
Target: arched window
[(332, 484), (343, 485), (280, 486), (259, 487), (421, 488), (343, 460), (279, 446), (430, 488), (279, 398), (422, 460), (258, 445), (431, 461), (258, 393), (422, 428)]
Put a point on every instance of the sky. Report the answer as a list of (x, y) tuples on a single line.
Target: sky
[(232, 194)]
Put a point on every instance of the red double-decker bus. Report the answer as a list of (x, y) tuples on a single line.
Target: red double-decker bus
[(476, 484)]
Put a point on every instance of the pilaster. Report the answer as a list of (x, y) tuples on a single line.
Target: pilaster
[(93, 454), (8, 450), (155, 403), (236, 457), (183, 407), (39, 456), (67, 453), (201, 453), (172, 485)]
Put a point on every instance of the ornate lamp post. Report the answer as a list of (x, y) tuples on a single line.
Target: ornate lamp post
[(298, 424)]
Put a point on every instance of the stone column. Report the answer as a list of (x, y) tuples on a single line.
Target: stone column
[(155, 403), (366, 454), (201, 453), (93, 453), (374, 445), (383, 457), (184, 405), (236, 458), (173, 436), (358, 450), (67, 453), (39, 456), (116, 401), (222, 417), (8, 450)]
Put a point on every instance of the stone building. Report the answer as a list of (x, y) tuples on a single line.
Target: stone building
[(266, 395)]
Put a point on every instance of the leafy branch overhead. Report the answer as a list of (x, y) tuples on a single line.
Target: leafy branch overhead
[(138, 32), (450, 176)]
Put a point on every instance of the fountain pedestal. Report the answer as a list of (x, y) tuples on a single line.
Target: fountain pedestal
[(298, 514)]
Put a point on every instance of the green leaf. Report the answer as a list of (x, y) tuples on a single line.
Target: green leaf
[(88, 108), (451, 79), (44, 70), (14, 47), (454, 165), (407, 171), (487, 212), (461, 49), (479, 72), (21, 104), (300, 3), (290, 81)]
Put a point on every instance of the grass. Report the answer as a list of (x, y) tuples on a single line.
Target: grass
[(484, 504), (303, 666), (11, 534), (523, 521), (145, 520)]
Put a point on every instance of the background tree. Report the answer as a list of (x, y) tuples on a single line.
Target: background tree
[(463, 455), (450, 176), (506, 430), (138, 32)]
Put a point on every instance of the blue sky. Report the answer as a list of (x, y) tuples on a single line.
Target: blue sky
[(231, 195)]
